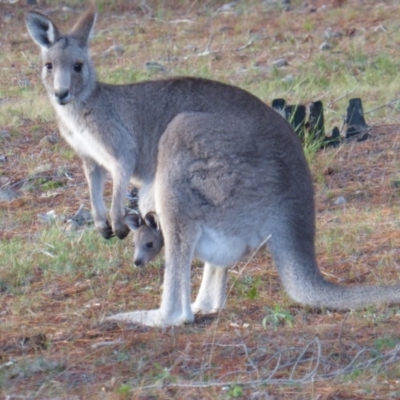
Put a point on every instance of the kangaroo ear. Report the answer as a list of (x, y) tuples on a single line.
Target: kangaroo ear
[(134, 221), (152, 221), (83, 28), (42, 29)]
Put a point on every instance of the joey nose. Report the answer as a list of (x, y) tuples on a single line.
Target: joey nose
[(138, 262), (62, 96)]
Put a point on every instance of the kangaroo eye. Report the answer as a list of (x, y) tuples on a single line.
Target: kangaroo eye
[(49, 66), (149, 245), (78, 67)]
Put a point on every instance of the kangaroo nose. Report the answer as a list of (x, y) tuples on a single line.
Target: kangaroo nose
[(62, 95), (138, 262)]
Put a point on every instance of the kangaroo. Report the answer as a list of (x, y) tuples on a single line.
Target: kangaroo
[(148, 240), (227, 173)]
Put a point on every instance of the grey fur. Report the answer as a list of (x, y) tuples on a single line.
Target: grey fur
[(226, 173), (148, 240)]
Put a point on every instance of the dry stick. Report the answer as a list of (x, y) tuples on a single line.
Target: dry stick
[(248, 44), (242, 345), (341, 97), (382, 106), (174, 21), (299, 358), (341, 329), (311, 374), (391, 357), (107, 343), (278, 363), (235, 373), (248, 357), (26, 58), (191, 6), (208, 45)]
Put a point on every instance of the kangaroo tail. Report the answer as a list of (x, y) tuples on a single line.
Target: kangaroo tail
[(313, 290), (303, 281)]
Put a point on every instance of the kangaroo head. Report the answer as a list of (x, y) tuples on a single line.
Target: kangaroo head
[(67, 70), (148, 240)]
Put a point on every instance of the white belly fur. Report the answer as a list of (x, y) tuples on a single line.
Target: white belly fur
[(83, 141), (223, 251)]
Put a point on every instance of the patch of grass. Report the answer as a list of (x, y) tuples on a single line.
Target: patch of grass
[(30, 367), (54, 253), (236, 392), (276, 317), (385, 343), (248, 286)]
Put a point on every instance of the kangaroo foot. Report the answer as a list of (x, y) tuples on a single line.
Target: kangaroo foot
[(151, 318)]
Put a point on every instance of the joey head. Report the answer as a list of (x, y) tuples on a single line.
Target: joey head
[(148, 240)]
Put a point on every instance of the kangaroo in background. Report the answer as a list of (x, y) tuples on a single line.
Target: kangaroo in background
[(227, 172), (148, 240)]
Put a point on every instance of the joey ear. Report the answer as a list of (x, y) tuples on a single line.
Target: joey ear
[(42, 29), (83, 28), (134, 221), (152, 221)]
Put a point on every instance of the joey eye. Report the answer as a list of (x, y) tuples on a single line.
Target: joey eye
[(49, 66), (78, 67), (149, 245)]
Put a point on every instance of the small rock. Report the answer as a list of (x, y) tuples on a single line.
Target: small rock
[(286, 5), (154, 66), (395, 184), (63, 171), (72, 226), (24, 83), (280, 62), (227, 8), (7, 16), (3, 159), (325, 46), (4, 180), (115, 48), (340, 201), (331, 34), (8, 195), (48, 140), (67, 9), (288, 78), (42, 168), (81, 217), (48, 217), (4, 135)]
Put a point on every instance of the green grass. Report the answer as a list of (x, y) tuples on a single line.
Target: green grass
[(57, 252)]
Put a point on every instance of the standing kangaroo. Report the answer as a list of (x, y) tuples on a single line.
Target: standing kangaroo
[(227, 172)]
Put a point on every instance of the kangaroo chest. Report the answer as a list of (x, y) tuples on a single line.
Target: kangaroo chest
[(83, 139)]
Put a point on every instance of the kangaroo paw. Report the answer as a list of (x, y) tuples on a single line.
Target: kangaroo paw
[(122, 232), (106, 231)]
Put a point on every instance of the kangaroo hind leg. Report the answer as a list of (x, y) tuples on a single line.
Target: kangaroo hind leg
[(212, 292), (175, 302)]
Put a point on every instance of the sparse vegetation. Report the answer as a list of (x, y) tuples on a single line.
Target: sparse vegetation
[(57, 285)]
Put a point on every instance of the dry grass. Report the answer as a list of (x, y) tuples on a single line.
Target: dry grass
[(56, 286)]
